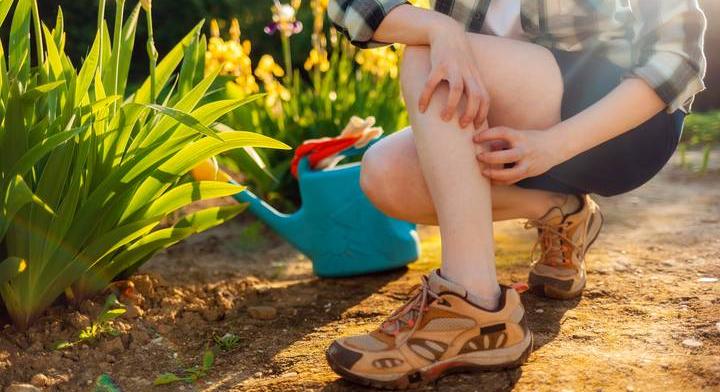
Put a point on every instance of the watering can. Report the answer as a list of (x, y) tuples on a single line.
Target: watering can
[(337, 227)]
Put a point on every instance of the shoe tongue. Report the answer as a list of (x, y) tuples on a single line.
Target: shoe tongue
[(439, 285)]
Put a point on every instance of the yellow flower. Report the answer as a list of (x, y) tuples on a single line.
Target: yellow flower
[(214, 29), (319, 59), (231, 57), (380, 62), (267, 68), (235, 30)]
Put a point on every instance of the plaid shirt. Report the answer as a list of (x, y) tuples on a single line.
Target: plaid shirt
[(659, 41)]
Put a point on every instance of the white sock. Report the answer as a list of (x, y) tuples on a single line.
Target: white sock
[(487, 301)]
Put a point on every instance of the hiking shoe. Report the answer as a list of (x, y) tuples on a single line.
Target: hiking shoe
[(564, 239), (437, 332)]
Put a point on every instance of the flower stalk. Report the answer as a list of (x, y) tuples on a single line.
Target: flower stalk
[(151, 49)]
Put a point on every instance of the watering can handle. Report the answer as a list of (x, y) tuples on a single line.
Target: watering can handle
[(304, 165)]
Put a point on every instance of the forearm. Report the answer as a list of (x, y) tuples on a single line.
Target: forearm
[(629, 105), (411, 25)]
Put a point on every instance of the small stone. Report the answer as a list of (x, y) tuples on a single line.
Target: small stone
[(692, 343), (211, 314), (717, 325), (139, 336), (22, 388), (144, 285), (630, 388), (78, 320), (262, 312), (40, 380), (707, 280), (257, 374), (539, 311), (133, 311), (289, 374), (112, 346)]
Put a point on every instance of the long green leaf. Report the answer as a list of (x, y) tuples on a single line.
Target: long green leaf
[(20, 37), (10, 268), (87, 71), (4, 9), (185, 194)]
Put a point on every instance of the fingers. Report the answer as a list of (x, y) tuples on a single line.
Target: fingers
[(436, 76), (507, 176), (456, 91), (474, 100), (496, 134), (501, 157), (483, 110)]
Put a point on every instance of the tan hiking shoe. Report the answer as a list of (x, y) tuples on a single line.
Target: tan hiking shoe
[(564, 240), (438, 331)]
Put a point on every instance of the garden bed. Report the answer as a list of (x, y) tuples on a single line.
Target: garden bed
[(647, 321)]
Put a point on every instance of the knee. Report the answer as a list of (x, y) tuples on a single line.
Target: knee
[(376, 179)]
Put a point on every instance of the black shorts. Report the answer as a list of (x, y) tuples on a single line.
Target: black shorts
[(618, 165)]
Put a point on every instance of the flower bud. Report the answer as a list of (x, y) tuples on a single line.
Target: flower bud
[(147, 5)]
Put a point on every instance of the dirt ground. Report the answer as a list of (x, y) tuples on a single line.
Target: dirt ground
[(647, 321)]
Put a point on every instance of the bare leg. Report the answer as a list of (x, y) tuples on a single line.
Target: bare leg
[(393, 180), (461, 196)]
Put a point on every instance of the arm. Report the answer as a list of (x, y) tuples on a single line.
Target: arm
[(372, 23), (668, 74)]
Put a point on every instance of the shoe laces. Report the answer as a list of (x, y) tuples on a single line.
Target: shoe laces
[(556, 248), (409, 315)]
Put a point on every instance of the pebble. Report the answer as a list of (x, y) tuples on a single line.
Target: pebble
[(112, 346), (539, 311), (257, 374), (262, 312), (707, 280), (22, 388), (133, 311), (78, 320), (40, 380), (717, 325), (289, 374), (692, 343)]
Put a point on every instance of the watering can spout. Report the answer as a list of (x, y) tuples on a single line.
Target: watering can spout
[(283, 224)]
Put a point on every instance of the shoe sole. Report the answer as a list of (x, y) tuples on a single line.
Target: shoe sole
[(430, 374), (553, 287)]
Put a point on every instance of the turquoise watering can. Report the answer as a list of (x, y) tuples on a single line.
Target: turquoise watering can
[(337, 227)]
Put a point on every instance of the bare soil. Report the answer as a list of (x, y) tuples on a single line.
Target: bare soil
[(647, 321)]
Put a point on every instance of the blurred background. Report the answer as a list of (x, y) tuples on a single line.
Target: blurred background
[(174, 18)]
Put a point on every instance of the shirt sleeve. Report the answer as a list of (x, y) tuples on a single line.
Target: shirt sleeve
[(669, 48), (358, 19)]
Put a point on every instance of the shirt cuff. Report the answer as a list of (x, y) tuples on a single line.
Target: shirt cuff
[(363, 17), (673, 78)]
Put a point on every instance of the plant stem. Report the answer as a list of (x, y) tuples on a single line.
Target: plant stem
[(287, 56), (152, 53), (100, 20), (117, 44)]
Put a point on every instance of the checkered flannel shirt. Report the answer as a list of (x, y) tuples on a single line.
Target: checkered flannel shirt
[(659, 41)]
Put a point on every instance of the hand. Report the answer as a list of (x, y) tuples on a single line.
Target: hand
[(453, 61), (532, 153)]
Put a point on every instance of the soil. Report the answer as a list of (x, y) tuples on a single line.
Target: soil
[(648, 321)]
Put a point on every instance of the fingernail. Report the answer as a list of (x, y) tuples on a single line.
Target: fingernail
[(422, 108)]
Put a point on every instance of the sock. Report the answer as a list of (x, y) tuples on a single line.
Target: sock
[(487, 301), (482, 289)]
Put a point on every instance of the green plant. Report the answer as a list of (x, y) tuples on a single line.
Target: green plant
[(90, 171), (191, 374), (337, 82), (102, 325), (703, 130)]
